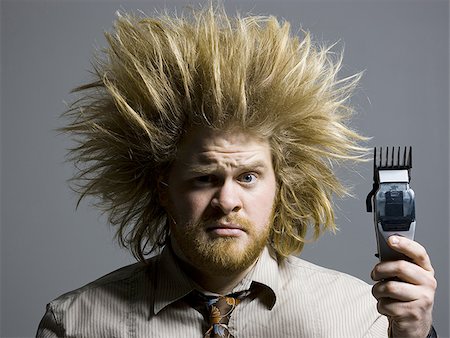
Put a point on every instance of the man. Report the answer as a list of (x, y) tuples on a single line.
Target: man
[(212, 140)]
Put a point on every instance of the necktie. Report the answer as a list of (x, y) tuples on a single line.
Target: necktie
[(217, 310), (220, 310)]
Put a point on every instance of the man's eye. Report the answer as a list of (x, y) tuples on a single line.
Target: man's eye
[(247, 178), (205, 179)]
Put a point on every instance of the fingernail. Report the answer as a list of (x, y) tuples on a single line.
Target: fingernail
[(394, 240)]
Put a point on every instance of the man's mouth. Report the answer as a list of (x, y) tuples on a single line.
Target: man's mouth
[(227, 230)]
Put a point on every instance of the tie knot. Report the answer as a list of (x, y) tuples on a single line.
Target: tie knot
[(220, 309)]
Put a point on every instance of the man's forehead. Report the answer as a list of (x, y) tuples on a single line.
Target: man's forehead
[(235, 148), (205, 140), (232, 156)]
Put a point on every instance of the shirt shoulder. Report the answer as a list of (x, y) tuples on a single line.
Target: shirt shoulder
[(315, 282), (118, 280), (297, 267), (103, 305), (334, 301)]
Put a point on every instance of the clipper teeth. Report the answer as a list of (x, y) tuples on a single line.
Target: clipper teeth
[(391, 158)]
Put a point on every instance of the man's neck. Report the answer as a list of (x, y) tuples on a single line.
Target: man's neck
[(219, 284)]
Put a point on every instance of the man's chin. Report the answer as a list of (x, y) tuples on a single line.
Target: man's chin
[(215, 253), (225, 255)]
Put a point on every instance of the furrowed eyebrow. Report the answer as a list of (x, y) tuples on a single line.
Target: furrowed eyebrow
[(201, 169), (212, 168)]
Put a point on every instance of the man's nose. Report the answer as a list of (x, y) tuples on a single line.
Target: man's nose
[(227, 197)]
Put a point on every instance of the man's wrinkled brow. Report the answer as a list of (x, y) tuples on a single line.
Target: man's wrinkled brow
[(205, 169)]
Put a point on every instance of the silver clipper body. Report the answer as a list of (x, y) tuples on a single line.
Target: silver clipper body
[(392, 200)]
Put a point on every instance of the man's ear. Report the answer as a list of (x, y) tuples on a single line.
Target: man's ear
[(163, 191)]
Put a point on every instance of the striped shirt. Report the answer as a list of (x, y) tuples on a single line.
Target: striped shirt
[(293, 298)]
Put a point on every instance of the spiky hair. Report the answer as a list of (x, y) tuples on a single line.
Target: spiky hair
[(159, 76)]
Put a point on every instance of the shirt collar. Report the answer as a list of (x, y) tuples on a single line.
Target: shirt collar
[(173, 284), (265, 274)]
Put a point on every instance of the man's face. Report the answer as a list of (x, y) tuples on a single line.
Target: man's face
[(220, 197)]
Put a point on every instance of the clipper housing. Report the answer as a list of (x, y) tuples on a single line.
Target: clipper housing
[(391, 199)]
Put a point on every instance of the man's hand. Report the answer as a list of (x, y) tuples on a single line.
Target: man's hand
[(408, 300)]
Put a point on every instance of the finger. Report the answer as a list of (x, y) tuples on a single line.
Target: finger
[(392, 308), (403, 270), (412, 249), (416, 310), (398, 291)]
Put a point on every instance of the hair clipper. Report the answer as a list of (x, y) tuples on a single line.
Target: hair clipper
[(392, 200)]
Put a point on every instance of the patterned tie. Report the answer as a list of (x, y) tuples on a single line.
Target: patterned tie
[(217, 310), (220, 310)]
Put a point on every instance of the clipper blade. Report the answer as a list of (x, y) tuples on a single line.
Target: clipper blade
[(392, 158)]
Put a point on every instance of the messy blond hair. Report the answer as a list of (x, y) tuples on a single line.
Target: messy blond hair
[(159, 76)]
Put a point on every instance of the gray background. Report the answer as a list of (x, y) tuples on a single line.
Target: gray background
[(48, 248)]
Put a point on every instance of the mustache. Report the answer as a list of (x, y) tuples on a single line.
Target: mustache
[(243, 222)]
